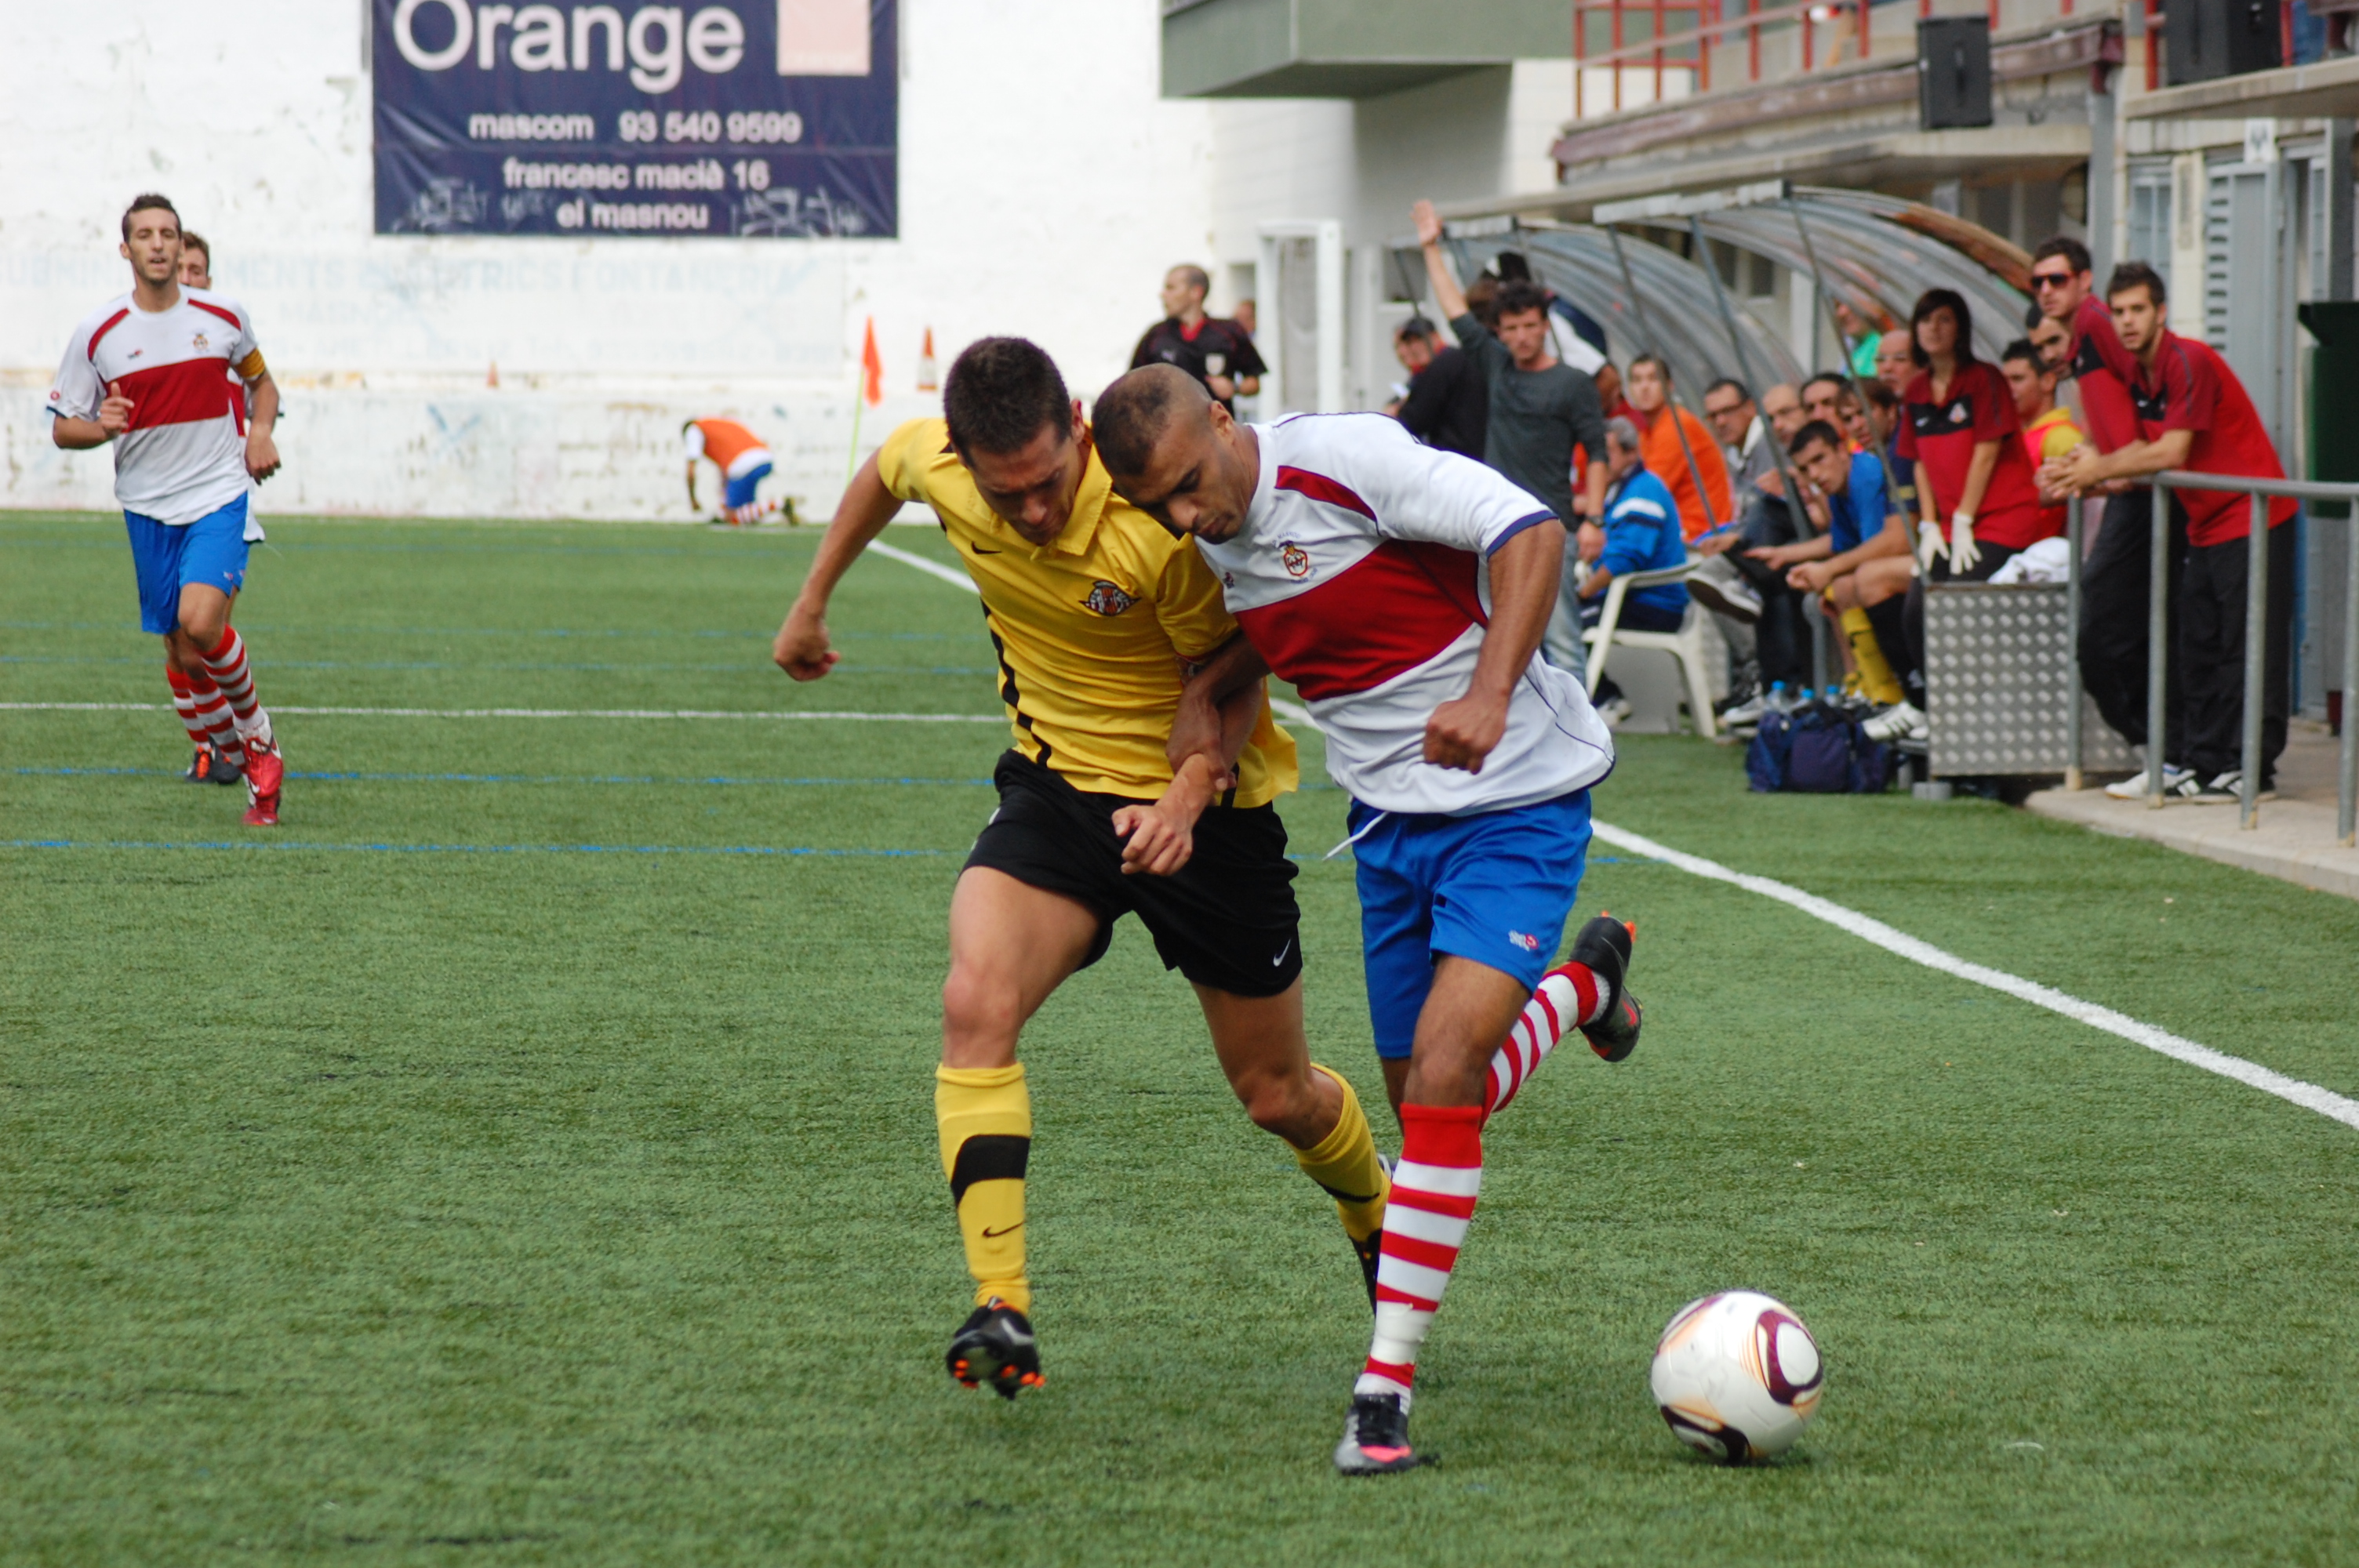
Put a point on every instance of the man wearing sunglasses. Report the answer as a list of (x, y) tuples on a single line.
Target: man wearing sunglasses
[(2117, 579)]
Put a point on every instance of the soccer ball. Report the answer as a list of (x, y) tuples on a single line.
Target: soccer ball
[(1738, 1375)]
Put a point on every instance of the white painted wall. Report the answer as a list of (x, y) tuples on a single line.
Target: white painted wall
[(1045, 188)]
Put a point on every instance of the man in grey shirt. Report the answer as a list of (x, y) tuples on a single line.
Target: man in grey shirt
[(1541, 410)]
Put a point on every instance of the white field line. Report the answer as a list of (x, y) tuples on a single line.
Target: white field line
[(949, 575), (531, 712), (2310, 1097)]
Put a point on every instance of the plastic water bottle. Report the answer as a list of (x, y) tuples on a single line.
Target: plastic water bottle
[(1808, 697), (1777, 701)]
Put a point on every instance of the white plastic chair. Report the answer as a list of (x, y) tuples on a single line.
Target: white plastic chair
[(1687, 644)]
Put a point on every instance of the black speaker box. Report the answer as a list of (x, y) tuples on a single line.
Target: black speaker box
[(1953, 72), (2211, 39)]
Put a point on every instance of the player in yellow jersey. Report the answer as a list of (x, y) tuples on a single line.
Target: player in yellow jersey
[(1097, 614)]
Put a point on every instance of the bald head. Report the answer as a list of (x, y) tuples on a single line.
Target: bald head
[(1133, 415), (1175, 454)]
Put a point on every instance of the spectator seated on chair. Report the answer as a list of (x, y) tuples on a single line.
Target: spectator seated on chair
[(1859, 569), (1641, 533)]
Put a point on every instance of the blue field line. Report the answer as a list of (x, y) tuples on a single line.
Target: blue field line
[(748, 666), (339, 776), (759, 849), (1308, 862), (274, 628), (115, 542)]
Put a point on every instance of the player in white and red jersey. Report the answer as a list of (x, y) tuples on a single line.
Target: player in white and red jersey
[(744, 461), (149, 371), (1403, 589)]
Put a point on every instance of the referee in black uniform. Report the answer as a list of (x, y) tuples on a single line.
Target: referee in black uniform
[(1218, 353)]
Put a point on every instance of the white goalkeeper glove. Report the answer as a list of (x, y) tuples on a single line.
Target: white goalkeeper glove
[(1962, 553), (1929, 546)]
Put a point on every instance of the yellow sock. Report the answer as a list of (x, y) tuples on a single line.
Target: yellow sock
[(1345, 1163), (1876, 675), (984, 1115)]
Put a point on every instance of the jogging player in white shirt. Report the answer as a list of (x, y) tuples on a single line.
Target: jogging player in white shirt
[(1403, 590), (150, 372)]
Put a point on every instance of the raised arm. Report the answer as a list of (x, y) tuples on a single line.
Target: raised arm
[(1446, 292), (1523, 574), (802, 648)]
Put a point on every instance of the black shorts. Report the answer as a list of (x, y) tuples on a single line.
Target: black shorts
[(1226, 919)]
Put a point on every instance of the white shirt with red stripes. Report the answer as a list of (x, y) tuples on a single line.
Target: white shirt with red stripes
[(1361, 574), (184, 454)]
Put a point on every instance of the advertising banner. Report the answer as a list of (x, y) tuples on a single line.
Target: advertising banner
[(766, 118)]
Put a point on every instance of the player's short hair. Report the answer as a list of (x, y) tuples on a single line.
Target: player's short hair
[(1133, 411), (1952, 301), (192, 241), (1620, 428), (148, 202), (1416, 327), (1194, 277), (1816, 430), (1002, 392), (1826, 378), (2022, 349), (1880, 396), (1730, 384), (2075, 253), (1662, 365), (2135, 275), (1518, 294)]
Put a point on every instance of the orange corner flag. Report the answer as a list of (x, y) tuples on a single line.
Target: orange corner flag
[(872, 368)]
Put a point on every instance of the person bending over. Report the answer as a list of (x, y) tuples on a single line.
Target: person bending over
[(1403, 592)]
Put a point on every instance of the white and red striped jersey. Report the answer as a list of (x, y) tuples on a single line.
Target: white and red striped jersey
[(184, 455), (1360, 575)]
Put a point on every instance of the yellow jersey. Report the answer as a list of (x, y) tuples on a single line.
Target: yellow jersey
[(1092, 630)]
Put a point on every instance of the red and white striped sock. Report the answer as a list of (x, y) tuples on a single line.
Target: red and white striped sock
[(1434, 1188), (184, 703), (1569, 996), (227, 663), (203, 708)]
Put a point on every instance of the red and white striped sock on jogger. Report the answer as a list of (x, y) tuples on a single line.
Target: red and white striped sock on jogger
[(227, 663), (1434, 1188), (1569, 996), (203, 711), (184, 703)]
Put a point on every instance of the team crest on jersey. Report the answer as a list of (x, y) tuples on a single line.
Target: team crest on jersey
[(199, 344), (1105, 598), (1296, 558)]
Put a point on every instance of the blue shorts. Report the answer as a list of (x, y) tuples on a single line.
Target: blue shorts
[(741, 489), (211, 550), (1496, 888)]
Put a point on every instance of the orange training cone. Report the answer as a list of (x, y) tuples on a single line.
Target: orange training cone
[(872, 368)]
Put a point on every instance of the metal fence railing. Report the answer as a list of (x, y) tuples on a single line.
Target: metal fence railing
[(2256, 591)]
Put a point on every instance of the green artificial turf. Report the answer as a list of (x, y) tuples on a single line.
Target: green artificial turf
[(559, 1192)]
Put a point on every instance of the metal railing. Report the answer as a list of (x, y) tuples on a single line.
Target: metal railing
[(2257, 601)]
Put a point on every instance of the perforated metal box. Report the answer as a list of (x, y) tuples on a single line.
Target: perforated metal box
[(1999, 672)]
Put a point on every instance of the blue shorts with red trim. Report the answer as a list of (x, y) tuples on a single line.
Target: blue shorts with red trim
[(170, 556), (1496, 887), (741, 489)]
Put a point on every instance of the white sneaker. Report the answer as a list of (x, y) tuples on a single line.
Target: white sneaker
[(1901, 721), (1721, 588), (1616, 711), (2227, 789), (1746, 715), (2137, 786)]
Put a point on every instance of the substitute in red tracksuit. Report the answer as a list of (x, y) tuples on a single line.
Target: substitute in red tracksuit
[(2193, 414), (2117, 576)]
